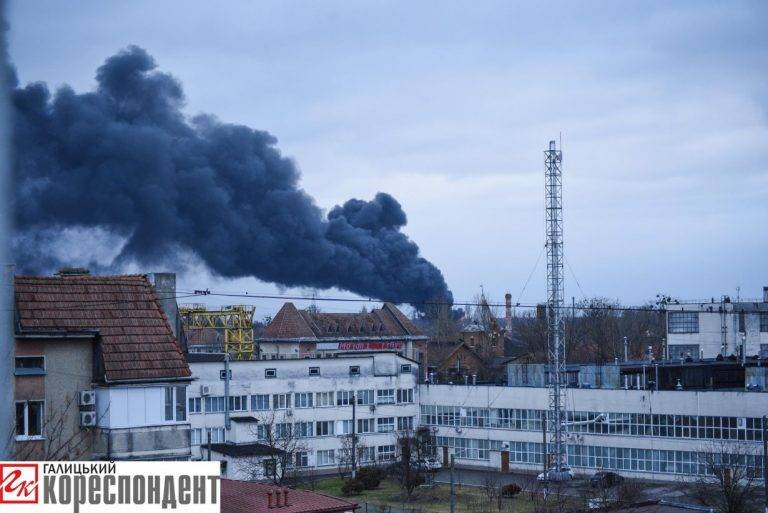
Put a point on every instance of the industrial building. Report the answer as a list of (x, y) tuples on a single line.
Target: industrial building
[(238, 404), (717, 328)]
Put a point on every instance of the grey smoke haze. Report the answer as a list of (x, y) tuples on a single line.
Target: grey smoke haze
[(125, 160)]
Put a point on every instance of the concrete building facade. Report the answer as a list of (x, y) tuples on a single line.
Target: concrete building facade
[(310, 397), (708, 329), (664, 435)]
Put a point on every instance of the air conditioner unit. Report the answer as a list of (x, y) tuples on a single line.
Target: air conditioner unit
[(372, 407), (87, 418), (505, 446), (741, 423), (289, 413), (205, 389), (87, 398)]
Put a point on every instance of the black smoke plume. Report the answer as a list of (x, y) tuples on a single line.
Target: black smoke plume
[(124, 159)]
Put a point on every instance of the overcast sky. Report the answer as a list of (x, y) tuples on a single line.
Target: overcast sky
[(663, 109)]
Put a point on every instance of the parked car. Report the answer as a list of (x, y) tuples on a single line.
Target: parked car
[(562, 474), (605, 479), (432, 464)]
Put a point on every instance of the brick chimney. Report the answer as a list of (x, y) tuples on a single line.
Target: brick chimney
[(508, 310), (269, 499), (285, 499), (279, 494)]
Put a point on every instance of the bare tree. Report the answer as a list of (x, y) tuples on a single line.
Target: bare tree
[(727, 478), (410, 469), (285, 443), (344, 458)]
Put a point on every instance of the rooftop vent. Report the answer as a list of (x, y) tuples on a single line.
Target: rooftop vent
[(73, 271)]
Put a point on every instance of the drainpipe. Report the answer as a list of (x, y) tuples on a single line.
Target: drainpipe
[(227, 421)]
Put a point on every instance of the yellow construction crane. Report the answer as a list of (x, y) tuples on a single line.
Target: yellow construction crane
[(235, 321)]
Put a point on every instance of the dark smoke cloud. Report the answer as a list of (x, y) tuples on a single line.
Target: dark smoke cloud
[(124, 158)]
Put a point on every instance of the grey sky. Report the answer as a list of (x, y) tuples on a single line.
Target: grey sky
[(448, 106)]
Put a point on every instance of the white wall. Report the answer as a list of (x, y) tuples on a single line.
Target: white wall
[(709, 337), (380, 371), (131, 406)]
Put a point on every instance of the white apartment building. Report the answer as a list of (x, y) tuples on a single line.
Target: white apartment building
[(707, 329), (649, 434), (310, 396)]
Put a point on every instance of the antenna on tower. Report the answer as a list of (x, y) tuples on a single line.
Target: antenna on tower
[(553, 183)]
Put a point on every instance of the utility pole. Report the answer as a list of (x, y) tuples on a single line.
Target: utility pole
[(354, 436), (227, 421), (765, 462), (453, 487), (555, 337)]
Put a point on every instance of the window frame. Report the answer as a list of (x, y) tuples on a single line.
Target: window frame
[(314, 371), (41, 416), (354, 370), (270, 373), (29, 371)]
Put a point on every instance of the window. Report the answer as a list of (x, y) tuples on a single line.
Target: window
[(405, 368), (281, 401), (29, 419), (742, 322), (354, 370), (260, 402), (262, 431), (404, 395), (385, 424), (364, 397), (324, 399), (283, 430), (302, 459), (367, 454), (386, 452), (214, 404), (324, 428), (404, 423), (386, 396), (238, 403), (30, 365), (683, 322), (176, 403), (314, 371), (270, 373), (303, 400), (196, 436), (195, 405), (763, 322), (683, 351), (217, 435), (365, 425), (345, 427), (270, 468), (325, 458), (343, 398), (304, 429)]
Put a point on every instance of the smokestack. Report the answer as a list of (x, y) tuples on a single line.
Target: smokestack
[(508, 310)]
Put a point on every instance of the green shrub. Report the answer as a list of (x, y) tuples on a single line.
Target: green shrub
[(352, 487), (510, 490), (371, 477)]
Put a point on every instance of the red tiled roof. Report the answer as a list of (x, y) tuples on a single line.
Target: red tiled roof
[(135, 336), (249, 497), (387, 321)]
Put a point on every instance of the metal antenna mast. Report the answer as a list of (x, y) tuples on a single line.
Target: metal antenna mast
[(555, 337)]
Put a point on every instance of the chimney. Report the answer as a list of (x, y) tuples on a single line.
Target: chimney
[(285, 499), (269, 499), (508, 310), (279, 494), (765, 294), (165, 290)]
